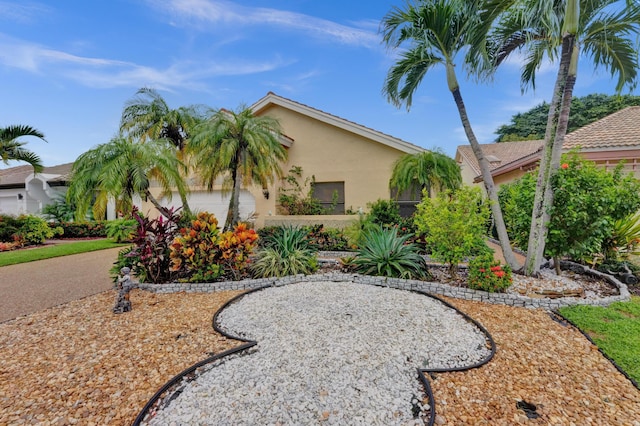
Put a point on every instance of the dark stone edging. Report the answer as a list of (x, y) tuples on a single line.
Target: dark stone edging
[(415, 285)]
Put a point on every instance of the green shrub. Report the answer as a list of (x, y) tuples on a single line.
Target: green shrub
[(385, 253), (82, 229), (453, 225), (8, 227), (385, 213), (287, 252), (34, 230), (121, 230), (488, 274), (295, 198), (326, 239)]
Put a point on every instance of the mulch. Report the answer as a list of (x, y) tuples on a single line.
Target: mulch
[(79, 363)]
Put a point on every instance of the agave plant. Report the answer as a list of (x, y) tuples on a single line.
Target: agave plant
[(384, 253), (286, 252)]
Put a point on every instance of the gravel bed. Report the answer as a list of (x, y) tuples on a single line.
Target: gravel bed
[(331, 353)]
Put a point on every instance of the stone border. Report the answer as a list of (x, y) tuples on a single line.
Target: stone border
[(414, 285)]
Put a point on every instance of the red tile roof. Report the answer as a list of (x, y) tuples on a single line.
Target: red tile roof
[(500, 154)]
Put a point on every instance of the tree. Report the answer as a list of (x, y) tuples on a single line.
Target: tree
[(603, 30), (147, 117), (120, 169), (13, 150), (589, 201), (244, 147), (436, 32), (584, 110), (423, 170)]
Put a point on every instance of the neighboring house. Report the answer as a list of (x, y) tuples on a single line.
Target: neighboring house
[(606, 142), (348, 159), (22, 191)]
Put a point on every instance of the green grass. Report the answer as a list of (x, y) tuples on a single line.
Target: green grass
[(30, 255), (615, 329)]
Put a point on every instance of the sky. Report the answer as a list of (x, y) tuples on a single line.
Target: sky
[(67, 68)]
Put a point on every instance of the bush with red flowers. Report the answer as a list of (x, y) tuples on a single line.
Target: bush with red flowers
[(488, 274)]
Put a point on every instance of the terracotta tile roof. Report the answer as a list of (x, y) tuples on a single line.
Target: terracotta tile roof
[(620, 129), (17, 175), (500, 154)]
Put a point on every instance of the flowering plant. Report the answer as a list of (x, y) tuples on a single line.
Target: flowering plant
[(488, 274)]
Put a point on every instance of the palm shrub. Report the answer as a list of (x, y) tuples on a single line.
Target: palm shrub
[(287, 252), (121, 230), (385, 253)]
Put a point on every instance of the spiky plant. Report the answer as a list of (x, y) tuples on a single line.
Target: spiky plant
[(287, 252), (385, 253)]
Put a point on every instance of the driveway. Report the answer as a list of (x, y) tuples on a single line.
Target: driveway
[(30, 287)]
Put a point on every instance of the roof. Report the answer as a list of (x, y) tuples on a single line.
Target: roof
[(16, 176), (399, 144), (501, 153), (620, 130)]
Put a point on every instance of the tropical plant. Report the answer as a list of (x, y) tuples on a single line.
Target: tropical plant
[(436, 33), (624, 240), (13, 150), (34, 230), (487, 274), (453, 225), (385, 253), (385, 213), (287, 252), (424, 170), (195, 253), (149, 259), (295, 198), (605, 30), (240, 145), (59, 210), (147, 117), (121, 169), (121, 230)]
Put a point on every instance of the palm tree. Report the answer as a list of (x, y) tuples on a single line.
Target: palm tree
[(121, 169), (147, 117), (241, 145), (424, 170), (436, 32), (12, 149), (603, 30)]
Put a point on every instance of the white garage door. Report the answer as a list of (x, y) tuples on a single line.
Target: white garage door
[(216, 203)]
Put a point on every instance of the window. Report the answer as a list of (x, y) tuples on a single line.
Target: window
[(330, 195), (407, 200)]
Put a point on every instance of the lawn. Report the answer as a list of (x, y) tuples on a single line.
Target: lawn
[(32, 254), (615, 329)]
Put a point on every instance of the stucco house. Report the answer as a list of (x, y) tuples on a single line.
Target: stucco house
[(23, 191), (607, 141), (346, 158)]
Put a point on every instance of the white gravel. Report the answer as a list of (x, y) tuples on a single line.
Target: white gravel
[(328, 353)]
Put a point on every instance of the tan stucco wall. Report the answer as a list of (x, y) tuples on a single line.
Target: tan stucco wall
[(328, 221), (331, 154)]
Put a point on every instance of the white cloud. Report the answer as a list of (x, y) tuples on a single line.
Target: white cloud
[(226, 12), (104, 73), (24, 12)]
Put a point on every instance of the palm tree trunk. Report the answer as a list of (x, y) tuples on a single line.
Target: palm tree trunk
[(233, 216), (490, 187), (185, 204), (163, 210), (557, 122)]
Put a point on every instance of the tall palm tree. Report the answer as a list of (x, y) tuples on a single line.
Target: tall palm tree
[(244, 147), (604, 30), (147, 117), (12, 149), (120, 169), (425, 170), (437, 32)]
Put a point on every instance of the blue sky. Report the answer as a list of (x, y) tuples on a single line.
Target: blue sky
[(68, 67)]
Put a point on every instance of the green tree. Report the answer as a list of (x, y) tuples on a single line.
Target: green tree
[(436, 33), (424, 170), (120, 169), (589, 201), (12, 149), (604, 30), (584, 110), (244, 147), (147, 117)]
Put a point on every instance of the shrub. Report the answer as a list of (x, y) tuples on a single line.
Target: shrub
[(121, 230), (327, 239), (295, 198), (488, 274), (287, 252), (8, 227), (202, 254), (385, 213), (34, 230), (453, 225), (150, 255), (384, 253), (95, 229)]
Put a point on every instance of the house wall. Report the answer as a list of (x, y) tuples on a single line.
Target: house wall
[(331, 154)]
